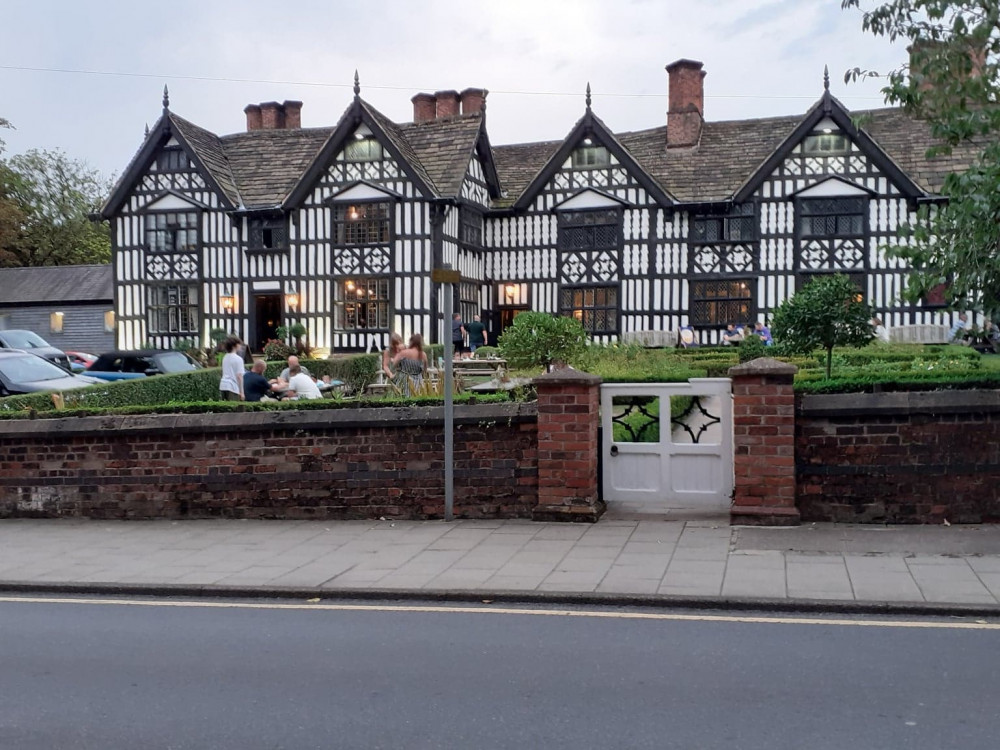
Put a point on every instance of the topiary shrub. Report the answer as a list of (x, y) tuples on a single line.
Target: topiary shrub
[(538, 339), (752, 347), (275, 350)]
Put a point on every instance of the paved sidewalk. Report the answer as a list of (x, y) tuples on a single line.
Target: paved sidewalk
[(691, 562)]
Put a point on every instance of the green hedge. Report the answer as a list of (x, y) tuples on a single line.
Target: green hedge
[(910, 381)]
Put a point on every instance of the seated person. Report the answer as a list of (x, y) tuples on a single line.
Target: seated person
[(255, 385), (759, 329), (732, 335), (293, 361), (300, 385), (958, 329)]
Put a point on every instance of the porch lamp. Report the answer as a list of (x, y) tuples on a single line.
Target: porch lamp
[(509, 291), (228, 302), (292, 300)]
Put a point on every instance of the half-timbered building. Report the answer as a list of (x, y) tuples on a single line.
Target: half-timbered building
[(691, 223)]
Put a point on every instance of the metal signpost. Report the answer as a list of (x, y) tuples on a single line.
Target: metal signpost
[(448, 278)]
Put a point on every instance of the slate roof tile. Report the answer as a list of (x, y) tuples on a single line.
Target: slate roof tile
[(444, 148), (45, 284), (267, 164)]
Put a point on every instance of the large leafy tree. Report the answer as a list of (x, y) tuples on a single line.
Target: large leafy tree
[(953, 82), (46, 199), (825, 313)]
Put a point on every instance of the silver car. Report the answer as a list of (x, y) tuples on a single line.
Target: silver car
[(21, 372)]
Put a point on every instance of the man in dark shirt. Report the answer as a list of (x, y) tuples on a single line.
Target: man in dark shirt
[(255, 384), (458, 336), (477, 334)]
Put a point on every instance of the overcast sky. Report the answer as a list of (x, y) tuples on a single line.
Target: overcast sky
[(763, 58)]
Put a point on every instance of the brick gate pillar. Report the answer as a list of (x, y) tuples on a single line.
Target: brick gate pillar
[(569, 414), (764, 443)]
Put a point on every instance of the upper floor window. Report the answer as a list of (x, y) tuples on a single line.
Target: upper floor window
[(363, 149), (173, 160), (826, 144), (737, 225), (590, 155), (470, 227), (173, 309), (832, 217), (721, 302), (361, 223), (172, 232), (596, 307), (268, 233), (362, 304), (589, 230)]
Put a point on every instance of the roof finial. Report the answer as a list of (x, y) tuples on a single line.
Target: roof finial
[(166, 97), (588, 94), (357, 84), (826, 78), (147, 130)]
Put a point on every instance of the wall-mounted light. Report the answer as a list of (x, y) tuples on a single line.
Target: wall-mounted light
[(109, 321), (588, 141), (292, 301), (56, 322), (228, 302), (510, 291), (353, 214), (350, 286)]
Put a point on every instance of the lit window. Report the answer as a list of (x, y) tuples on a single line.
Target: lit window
[(363, 304), (109, 321), (596, 307), (738, 225), (56, 322), (361, 224), (721, 302), (173, 309), (171, 232), (589, 156), (826, 144), (363, 149)]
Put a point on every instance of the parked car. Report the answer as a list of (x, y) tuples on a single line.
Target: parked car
[(80, 360), (30, 341), (125, 365), (24, 372)]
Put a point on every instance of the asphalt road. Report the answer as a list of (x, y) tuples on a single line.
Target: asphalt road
[(104, 675)]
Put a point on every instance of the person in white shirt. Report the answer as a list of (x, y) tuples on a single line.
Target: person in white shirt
[(231, 384), (301, 384), (293, 361)]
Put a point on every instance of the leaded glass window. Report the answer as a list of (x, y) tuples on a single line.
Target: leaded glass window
[(832, 217), (739, 224), (590, 156), (363, 149), (268, 233), (589, 230), (171, 232), (471, 227), (721, 302), (361, 224), (596, 307), (173, 309), (363, 304), (826, 144), (173, 160)]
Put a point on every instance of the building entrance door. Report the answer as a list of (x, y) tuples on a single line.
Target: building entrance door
[(267, 318), (506, 315)]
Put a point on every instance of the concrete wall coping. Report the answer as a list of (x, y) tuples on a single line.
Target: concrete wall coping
[(229, 422), (763, 366), (566, 376), (901, 403)]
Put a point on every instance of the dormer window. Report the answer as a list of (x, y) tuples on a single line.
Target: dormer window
[(826, 144), (365, 148), (737, 225), (362, 223), (268, 233), (590, 155), (172, 160)]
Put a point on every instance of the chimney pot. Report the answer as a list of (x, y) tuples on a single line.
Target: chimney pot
[(253, 117), (686, 111), (424, 107), (447, 104), (293, 113), (271, 115), (473, 100)]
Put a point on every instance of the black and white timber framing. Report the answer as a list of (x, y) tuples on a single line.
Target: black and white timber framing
[(339, 228)]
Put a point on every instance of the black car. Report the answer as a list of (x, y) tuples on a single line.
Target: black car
[(30, 341), (23, 372), (142, 362)]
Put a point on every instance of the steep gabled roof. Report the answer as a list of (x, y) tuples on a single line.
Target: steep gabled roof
[(518, 164), (56, 284), (444, 147), (209, 150), (267, 164)]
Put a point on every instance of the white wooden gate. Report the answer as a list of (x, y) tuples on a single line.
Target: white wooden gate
[(668, 446)]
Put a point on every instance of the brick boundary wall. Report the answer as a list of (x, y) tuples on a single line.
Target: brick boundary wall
[(920, 457), (331, 464)]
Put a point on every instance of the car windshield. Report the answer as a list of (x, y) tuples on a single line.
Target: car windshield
[(23, 340), (174, 362), (28, 368)]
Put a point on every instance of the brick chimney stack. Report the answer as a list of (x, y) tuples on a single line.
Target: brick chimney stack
[(473, 100), (686, 111), (424, 107), (447, 104), (274, 116)]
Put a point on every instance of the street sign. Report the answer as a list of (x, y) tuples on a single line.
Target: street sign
[(445, 276)]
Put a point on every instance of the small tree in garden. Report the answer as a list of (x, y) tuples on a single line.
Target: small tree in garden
[(539, 339), (827, 312)]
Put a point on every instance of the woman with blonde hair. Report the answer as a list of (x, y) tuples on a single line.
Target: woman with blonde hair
[(395, 344), (411, 365)]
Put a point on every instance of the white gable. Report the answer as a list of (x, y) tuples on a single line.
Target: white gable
[(362, 192), (831, 187), (173, 142), (588, 199), (827, 125), (172, 202)]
